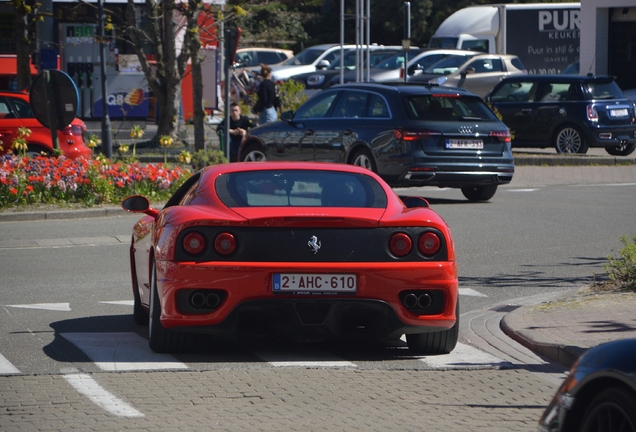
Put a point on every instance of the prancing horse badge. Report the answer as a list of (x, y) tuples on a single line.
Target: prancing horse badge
[(314, 244)]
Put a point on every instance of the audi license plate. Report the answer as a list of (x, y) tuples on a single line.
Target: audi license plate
[(618, 112), (464, 144), (315, 283)]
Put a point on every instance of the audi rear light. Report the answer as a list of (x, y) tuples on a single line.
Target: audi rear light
[(411, 135), (592, 115), (225, 244), (193, 243), (400, 244), (504, 136), (429, 244)]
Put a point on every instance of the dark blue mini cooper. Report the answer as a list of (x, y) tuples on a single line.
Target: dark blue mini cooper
[(568, 112)]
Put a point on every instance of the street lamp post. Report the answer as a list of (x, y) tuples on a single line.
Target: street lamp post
[(107, 145)]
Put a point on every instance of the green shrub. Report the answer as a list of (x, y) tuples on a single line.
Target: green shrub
[(621, 269), (291, 95), (203, 158)]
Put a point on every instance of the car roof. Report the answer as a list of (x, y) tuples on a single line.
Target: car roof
[(558, 78), (406, 88)]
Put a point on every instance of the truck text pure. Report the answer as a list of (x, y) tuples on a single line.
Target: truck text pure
[(545, 36)]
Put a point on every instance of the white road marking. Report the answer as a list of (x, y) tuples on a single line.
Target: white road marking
[(471, 292), (121, 352), (120, 302), (306, 359), (521, 190), (6, 368), (465, 357), (62, 307), (87, 386)]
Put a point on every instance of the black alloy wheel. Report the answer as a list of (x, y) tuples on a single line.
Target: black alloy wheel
[(613, 410)]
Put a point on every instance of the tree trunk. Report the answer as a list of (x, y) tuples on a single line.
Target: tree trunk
[(23, 50), (197, 75)]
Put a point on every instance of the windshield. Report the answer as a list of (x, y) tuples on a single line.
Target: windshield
[(448, 64), (283, 188), (397, 60), (305, 57), (443, 42), (603, 90)]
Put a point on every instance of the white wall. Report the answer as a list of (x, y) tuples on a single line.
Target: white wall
[(594, 28)]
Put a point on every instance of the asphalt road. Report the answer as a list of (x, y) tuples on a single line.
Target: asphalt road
[(71, 357)]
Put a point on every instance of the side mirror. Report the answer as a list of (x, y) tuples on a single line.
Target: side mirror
[(287, 116), (322, 64), (468, 71), (139, 204)]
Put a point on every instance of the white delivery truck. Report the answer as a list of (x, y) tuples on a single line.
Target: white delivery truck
[(545, 36)]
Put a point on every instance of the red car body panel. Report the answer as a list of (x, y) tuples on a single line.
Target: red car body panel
[(241, 281), (70, 139)]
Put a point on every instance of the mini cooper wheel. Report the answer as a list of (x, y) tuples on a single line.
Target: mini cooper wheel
[(621, 150), (364, 159), (613, 410), (441, 342), (254, 154), (479, 193), (569, 139), (160, 339)]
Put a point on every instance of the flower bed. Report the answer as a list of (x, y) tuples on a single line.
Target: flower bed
[(25, 180)]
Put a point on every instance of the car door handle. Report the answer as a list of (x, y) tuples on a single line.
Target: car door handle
[(309, 132)]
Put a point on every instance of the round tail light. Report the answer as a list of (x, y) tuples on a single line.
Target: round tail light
[(225, 244), (400, 244), (193, 243), (429, 243)]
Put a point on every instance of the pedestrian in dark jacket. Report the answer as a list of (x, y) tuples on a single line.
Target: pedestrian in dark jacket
[(265, 106), (239, 126)]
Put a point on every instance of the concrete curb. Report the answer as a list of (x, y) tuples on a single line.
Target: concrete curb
[(61, 214), (565, 355), (570, 160)]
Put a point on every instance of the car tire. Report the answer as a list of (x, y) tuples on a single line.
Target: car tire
[(569, 139), (140, 316), (161, 339), (621, 150), (442, 342), (479, 193), (253, 153), (613, 410), (364, 159)]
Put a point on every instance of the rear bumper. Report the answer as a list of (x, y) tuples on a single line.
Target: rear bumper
[(603, 136), (456, 176), (249, 305)]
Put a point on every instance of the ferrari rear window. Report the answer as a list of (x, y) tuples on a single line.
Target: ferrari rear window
[(284, 188)]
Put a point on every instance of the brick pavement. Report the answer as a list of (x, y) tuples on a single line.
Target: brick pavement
[(284, 399)]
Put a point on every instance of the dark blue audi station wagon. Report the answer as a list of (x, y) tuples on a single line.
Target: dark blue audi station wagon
[(568, 112), (411, 135)]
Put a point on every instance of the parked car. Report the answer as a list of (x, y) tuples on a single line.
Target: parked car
[(568, 112), (410, 135), (321, 79), (16, 113), (254, 56), (297, 250), (478, 74), (599, 393), (392, 68), (309, 60)]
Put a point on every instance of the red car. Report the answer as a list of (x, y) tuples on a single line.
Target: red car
[(15, 112), (309, 251)]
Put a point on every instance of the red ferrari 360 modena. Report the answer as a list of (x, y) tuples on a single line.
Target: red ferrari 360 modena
[(309, 251)]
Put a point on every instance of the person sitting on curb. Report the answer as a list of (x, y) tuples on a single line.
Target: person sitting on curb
[(239, 126)]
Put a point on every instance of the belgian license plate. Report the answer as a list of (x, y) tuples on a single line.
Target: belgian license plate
[(315, 283), (618, 112), (464, 144)]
